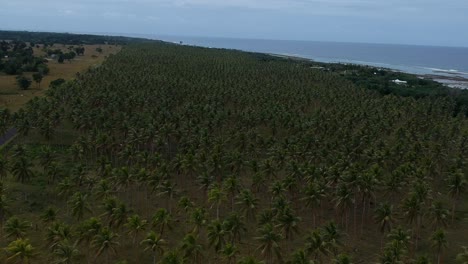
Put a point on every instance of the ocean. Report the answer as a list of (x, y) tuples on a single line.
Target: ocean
[(450, 63)]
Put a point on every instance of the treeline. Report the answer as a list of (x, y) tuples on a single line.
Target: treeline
[(67, 38), (18, 57)]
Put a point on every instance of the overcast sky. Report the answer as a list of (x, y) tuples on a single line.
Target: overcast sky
[(428, 22)]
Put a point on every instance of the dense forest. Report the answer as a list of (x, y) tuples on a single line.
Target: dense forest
[(176, 154), (67, 38)]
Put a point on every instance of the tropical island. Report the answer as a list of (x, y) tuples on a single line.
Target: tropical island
[(152, 152)]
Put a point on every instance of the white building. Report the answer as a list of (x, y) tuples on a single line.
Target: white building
[(397, 81)]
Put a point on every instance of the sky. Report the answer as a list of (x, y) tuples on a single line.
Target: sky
[(422, 22)]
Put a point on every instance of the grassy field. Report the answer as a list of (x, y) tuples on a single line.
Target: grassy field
[(13, 98)]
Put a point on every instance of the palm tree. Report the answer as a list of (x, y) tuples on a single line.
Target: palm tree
[(216, 196), (154, 243), (172, 257), (58, 233), (119, 215), (439, 242), (413, 212), (331, 237), (343, 200), (79, 205), (185, 203), (438, 214), (269, 242), (249, 203), (216, 235), (457, 185), (191, 248), (250, 260), (49, 215), (342, 259), (20, 249), (89, 229), (53, 171), (462, 257), (21, 168), (315, 244), (168, 189), (232, 186), (16, 228), (66, 252), (105, 242), (3, 167), (383, 216), (313, 195), (198, 219), (234, 226), (135, 225), (288, 223), (401, 237), (162, 219), (4, 208), (300, 257), (229, 253)]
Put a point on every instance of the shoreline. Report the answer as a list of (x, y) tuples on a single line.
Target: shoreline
[(453, 81)]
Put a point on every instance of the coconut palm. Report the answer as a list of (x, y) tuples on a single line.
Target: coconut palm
[(216, 235), (439, 243), (198, 219), (105, 242), (269, 242), (383, 216), (135, 225), (248, 202), (250, 260), (313, 196), (119, 215), (79, 205), (154, 243), (14, 227), (288, 223), (4, 208), (20, 249), (3, 167), (342, 259), (191, 249), (21, 168), (331, 236), (343, 200), (161, 220), (58, 233), (300, 257), (216, 196), (234, 227), (229, 253), (49, 215), (172, 257), (315, 244), (89, 229), (457, 185), (66, 252), (438, 214)]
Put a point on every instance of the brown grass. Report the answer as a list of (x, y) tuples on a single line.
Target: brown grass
[(13, 98)]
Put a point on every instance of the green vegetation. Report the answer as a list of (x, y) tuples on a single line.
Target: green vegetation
[(173, 154), (381, 81), (50, 38)]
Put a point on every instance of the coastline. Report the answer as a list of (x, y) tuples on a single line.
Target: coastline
[(446, 78)]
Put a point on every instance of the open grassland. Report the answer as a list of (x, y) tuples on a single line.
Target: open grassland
[(215, 156), (13, 98)]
